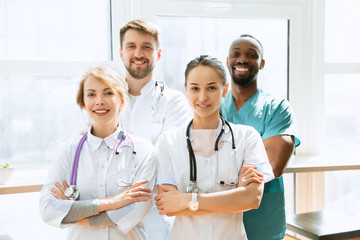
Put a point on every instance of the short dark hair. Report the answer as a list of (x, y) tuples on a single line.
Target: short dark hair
[(206, 60), (251, 36)]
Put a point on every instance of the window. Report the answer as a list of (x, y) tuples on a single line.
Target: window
[(45, 46), (189, 37), (55, 30), (342, 101)]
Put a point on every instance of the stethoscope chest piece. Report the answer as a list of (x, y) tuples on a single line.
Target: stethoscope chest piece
[(226, 129), (72, 193), (192, 187)]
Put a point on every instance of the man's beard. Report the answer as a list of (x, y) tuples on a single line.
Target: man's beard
[(142, 75), (243, 81)]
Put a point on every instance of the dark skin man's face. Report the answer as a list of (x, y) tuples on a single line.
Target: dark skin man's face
[(244, 61)]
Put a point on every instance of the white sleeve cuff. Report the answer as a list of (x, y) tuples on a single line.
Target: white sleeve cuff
[(165, 179)]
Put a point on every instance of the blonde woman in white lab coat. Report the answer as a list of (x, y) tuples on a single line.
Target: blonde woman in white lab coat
[(108, 194), (198, 170)]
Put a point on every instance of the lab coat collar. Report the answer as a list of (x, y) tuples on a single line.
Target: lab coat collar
[(109, 141), (225, 137), (148, 87)]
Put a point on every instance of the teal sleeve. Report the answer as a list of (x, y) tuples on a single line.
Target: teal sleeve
[(280, 121)]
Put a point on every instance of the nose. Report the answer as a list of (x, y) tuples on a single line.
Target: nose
[(203, 95), (138, 53), (100, 100), (242, 59)]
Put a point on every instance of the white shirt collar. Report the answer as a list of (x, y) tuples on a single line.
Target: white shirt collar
[(148, 87), (110, 141)]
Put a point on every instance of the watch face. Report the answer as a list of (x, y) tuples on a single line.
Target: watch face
[(193, 206)]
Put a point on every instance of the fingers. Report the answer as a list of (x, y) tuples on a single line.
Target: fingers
[(136, 184), (251, 169), (65, 184), (245, 168), (57, 194), (251, 177), (140, 189), (164, 188), (139, 194), (60, 187)]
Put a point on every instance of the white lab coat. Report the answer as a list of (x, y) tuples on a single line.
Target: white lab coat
[(97, 175), (173, 167), (174, 111)]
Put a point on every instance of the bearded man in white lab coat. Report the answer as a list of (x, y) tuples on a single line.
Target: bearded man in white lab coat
[(153, 107)]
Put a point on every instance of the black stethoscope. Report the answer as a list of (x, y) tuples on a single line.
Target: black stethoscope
[(159, 92), (72, 192), (192, 187)]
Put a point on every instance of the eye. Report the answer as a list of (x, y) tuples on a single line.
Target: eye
[(90, 94), (194, 88), (212, 88), (252, 55), (109, 93), (147, 47), (234, 55), (131, 46)]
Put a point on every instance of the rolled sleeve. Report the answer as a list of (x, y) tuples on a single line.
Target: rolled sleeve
[(165, 179)]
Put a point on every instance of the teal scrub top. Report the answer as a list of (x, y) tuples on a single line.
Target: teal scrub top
[(270, 117)]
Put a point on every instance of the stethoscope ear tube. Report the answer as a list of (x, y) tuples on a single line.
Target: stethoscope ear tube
[(192, 187), (193, 170), (76, 160), (72, 192)]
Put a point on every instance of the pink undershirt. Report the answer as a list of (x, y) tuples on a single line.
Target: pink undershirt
[(203, 142)]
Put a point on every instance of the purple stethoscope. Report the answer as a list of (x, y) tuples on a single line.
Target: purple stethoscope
[(71, 192)]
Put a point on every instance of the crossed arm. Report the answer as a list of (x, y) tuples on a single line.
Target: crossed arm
[(135, 193), (247, 195)]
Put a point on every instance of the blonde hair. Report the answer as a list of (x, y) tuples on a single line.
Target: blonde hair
[(106, 75)]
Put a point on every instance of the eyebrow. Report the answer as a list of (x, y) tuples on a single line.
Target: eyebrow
[(105, 89), (211, 83), (253, 49), (144, 43)]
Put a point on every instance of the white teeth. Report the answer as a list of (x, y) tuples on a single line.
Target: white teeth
[(138, 62), (102, 111), (202, 105), (241, 69)]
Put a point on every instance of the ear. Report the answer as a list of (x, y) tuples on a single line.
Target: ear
[(121, 54), (262, 64), (226, 89), (185, 90), (122, 104), (159, 52)]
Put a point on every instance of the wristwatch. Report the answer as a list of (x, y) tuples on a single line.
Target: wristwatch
[(193, 204)]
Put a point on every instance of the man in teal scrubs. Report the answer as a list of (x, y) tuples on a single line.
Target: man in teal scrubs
[(275, 121)]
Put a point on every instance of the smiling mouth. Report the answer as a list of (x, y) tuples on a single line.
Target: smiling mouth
[(241, 69), (101, 112), (139, 62), (203, 106)]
